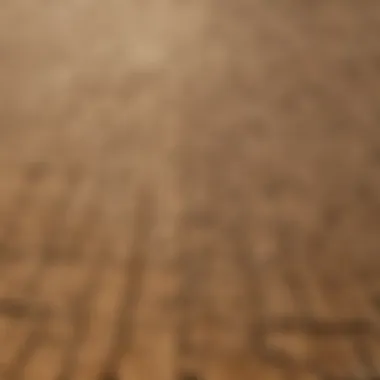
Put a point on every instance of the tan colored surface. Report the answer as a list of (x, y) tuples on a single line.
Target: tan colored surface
[(189, 190)]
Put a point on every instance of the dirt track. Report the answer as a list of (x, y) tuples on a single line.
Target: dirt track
[(190, 190)]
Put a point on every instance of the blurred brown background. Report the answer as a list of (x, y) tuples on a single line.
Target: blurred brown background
[(190, 190)]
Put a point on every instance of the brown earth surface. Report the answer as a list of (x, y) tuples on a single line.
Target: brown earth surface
[(190, 190)]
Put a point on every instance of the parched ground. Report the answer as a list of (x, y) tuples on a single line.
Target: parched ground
[(190, 190)]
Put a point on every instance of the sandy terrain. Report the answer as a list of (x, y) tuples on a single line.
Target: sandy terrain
[(189, 190)]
